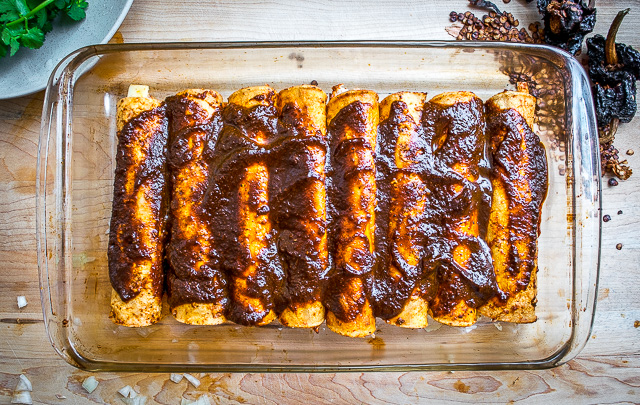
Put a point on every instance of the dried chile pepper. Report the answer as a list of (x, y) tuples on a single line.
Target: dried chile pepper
[(613, 69), (485, 4), (566, 23)]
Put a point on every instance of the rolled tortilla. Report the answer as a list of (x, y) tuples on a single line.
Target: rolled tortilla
[(352, 119), (138, 219), (400, 301), (298, 195), (454, 126), (196, 285), (519, 180), (252, 112)]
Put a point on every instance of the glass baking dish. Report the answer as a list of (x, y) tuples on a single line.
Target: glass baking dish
[(75, 183)]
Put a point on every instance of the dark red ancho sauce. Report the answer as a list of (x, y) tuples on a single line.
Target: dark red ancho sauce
[(192, 139), (290, 271), (237, 149), (391, 294), (508, 131), (294, 160), (148, 133), (455, 135), (349, 158)]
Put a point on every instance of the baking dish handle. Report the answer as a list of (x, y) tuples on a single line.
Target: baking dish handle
[(587, 187), (52, 203)]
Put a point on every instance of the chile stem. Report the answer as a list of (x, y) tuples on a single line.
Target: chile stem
[(610, 45)]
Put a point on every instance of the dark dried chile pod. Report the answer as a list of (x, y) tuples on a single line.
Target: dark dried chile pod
[(566, 23), (613, 69)]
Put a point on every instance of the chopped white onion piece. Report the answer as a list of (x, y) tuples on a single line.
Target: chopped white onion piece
[(22, 397), (144, 332), (22, 301), (203, 400), (498, 325), (194, 381), (432, 326), (127, 392), (176, 378), (24, 384), (60, 396), (90, 384), (138, 400)]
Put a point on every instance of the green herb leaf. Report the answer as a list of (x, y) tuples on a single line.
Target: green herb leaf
[(33, 39), (8, 10), (76, 10), (15, 45), (60, 4), (33, 3), (6, 5), (6, 36), (47, 27), (25, 22), (9, 16), (21, 6), (41, 18)]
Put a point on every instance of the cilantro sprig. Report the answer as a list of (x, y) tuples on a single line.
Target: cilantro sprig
[(26, 22)]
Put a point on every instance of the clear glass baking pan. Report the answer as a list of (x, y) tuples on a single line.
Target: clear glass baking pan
[(75, 183)]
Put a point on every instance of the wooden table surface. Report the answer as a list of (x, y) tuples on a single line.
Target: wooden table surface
[(607, 370)]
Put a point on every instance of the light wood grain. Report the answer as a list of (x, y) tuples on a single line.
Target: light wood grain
[(608, 369)]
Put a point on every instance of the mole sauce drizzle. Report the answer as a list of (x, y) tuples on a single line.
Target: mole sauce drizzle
[(455, 136), (148, 133), (508, 130), (391, 293), (192, 138), (290, 270), (296, 165), (349, 158), (237, 149)]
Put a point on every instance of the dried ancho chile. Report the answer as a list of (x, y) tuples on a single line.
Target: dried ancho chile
[(566, 23), (613, 69)]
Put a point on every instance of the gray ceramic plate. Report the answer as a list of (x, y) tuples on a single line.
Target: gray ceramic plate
[(28, 70)]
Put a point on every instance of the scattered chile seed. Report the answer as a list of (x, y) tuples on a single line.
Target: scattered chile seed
[(606, 218), (495, 27), (619, 246), (630, 152), (613, 182)]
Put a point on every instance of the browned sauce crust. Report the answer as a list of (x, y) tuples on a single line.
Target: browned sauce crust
[(138, 219), (458, 259), (403, 191), (352, 123), (244, 232), (519, 179), (298, 197), (194, 276), (442, 221)]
